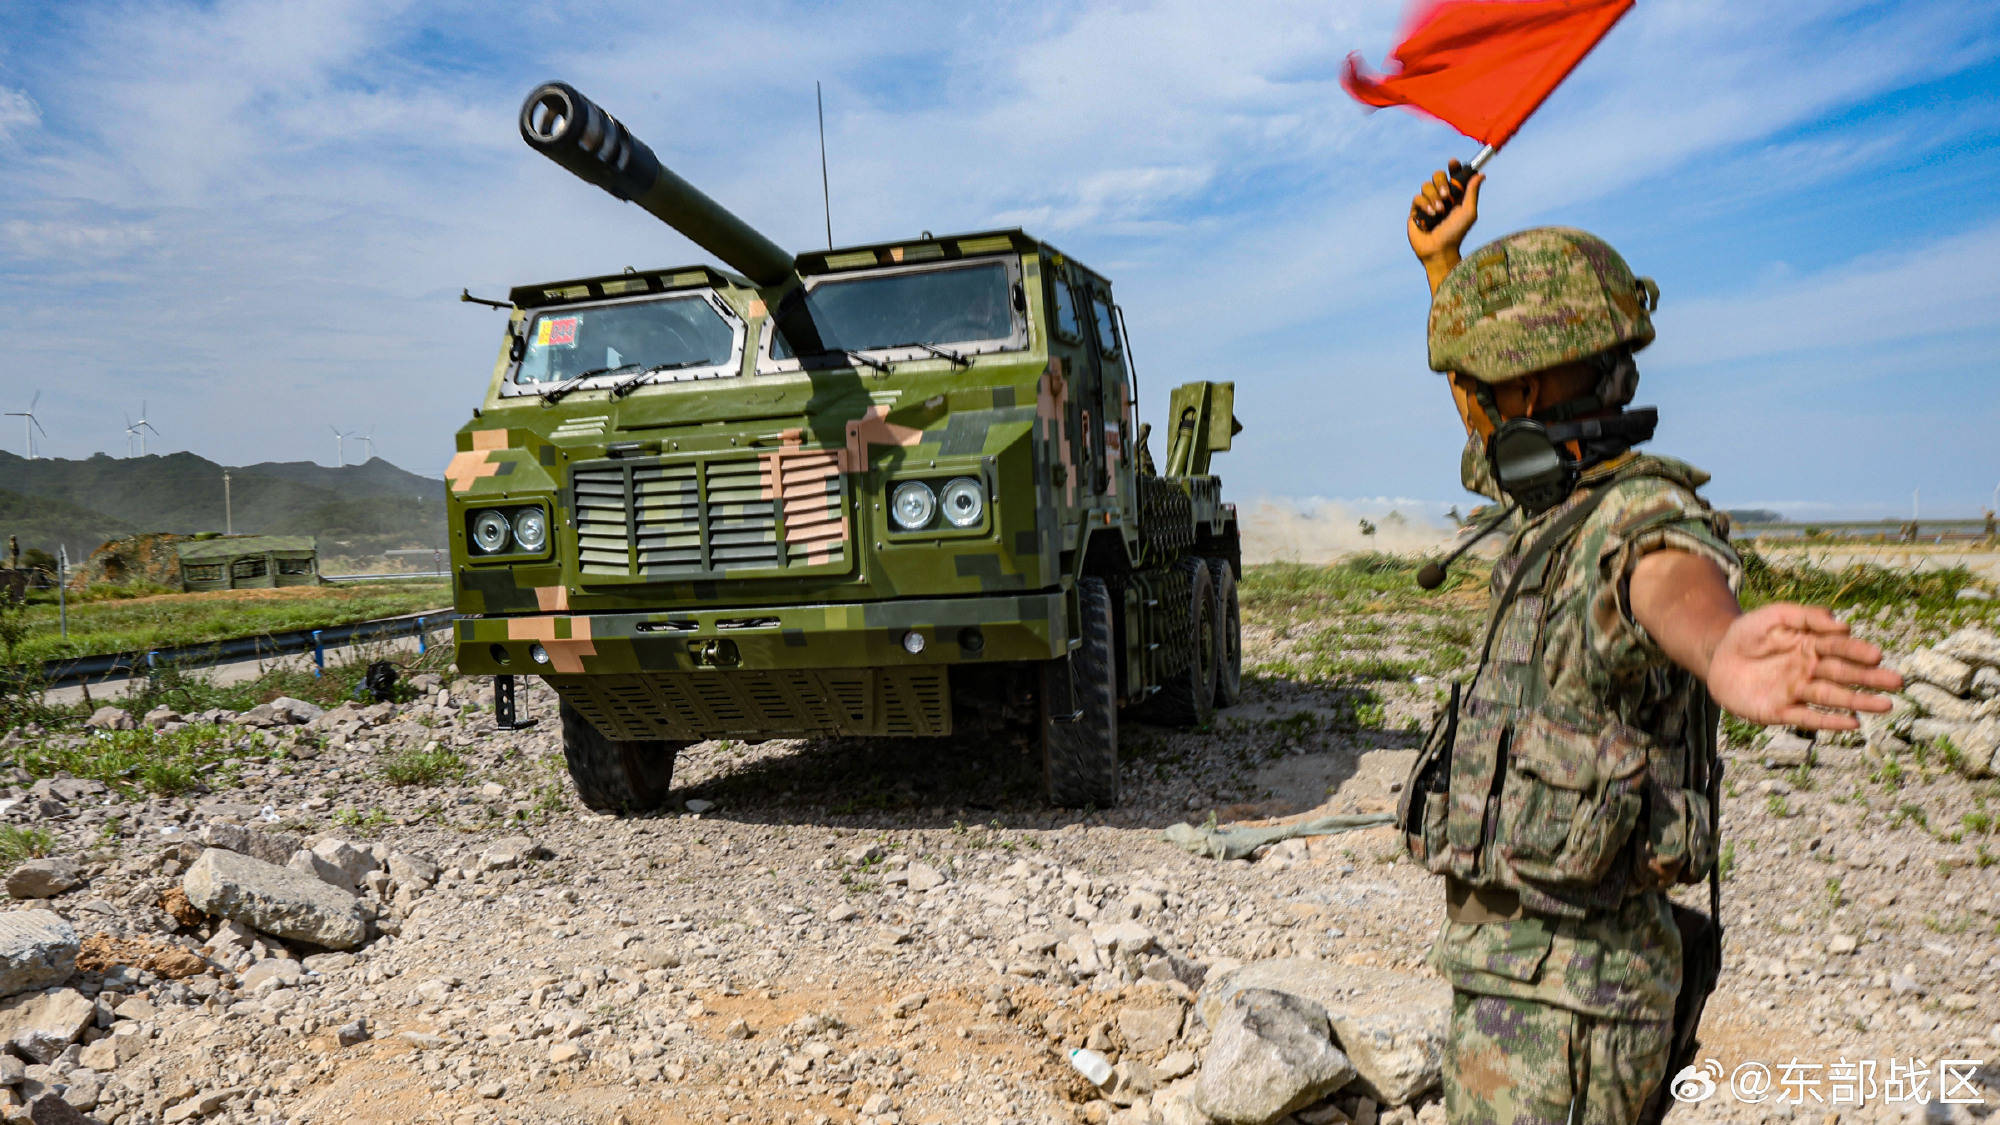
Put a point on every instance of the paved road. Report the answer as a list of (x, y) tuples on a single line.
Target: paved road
[(238, 671)]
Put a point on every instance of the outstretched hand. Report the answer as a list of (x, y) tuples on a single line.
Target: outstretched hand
[(1440, 200), (1781, 663)]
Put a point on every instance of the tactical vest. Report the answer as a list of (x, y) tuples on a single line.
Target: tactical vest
[(1568, 809)]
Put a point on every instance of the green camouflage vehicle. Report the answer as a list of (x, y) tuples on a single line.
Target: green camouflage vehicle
[(880, 490)]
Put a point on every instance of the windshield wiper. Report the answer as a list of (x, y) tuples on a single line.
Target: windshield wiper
[(850, 353), (626, 386), (957, 358), (555, 394)]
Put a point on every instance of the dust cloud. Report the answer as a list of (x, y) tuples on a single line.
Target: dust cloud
[(1318, 531)]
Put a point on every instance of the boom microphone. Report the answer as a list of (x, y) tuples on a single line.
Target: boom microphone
[(1432, 575)]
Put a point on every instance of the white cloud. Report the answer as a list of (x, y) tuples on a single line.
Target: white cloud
[(18, 113)]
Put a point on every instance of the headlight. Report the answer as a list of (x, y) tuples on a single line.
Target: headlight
[(964, 502), (913, 505), (489, 532), (531, 529)]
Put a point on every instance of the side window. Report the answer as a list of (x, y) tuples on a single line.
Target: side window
[(1107, 331), (1067, 325)]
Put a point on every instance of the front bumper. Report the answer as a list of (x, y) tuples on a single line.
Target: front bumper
[(836, 636)]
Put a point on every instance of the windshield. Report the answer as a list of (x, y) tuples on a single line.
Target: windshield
[(959, 304), (676, 332)]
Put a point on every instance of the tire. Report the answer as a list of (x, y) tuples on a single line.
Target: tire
[(612, 775), (1228, 634), (1080, 757), (1187, 698)]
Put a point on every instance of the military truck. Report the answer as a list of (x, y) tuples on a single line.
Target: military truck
[(882, 490)]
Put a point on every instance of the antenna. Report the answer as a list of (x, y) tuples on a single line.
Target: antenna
[(825, 193)]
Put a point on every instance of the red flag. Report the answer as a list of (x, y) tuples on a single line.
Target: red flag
[(1482, 66)]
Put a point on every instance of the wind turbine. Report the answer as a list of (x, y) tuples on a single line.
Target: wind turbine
[(30, 425), (340, 445), (368, 440), (139, 428)]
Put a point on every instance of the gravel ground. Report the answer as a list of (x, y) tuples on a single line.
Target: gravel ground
[(897, 932)]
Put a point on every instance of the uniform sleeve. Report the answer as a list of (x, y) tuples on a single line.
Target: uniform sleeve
[(1647, 515)]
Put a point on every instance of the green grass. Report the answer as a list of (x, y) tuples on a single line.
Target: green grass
[(1280, 593), (422, 767), (136, 624), (18, 843), (134, 761), (1861, 585)]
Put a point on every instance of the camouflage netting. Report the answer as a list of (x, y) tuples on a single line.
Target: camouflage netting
[(137, 558)]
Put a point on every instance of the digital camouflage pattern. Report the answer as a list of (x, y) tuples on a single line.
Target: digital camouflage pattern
[(1593, 807), (1536, 299), (720, 556), (1519, 1062)]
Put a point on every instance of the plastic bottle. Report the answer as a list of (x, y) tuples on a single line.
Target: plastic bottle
[(1091, 1065)]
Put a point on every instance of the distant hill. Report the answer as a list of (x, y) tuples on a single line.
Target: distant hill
[(358, 509), (45, 523)]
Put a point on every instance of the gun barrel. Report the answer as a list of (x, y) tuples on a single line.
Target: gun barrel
[(576, 133)]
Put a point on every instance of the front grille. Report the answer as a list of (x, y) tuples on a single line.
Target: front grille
[(663, 520), (763, 704)]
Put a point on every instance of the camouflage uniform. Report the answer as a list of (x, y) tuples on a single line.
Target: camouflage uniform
[(1570, 805), (1577, 991)]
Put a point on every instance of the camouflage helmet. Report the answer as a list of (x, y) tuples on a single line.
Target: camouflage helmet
[(1537, 299)]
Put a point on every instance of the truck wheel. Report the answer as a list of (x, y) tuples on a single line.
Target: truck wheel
[(1187, 698), (613, 775), (1080, 757), (1228, 634)]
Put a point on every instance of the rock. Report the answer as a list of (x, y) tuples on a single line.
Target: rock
[(1786, 750), (110, 718), (924, 877), (174, 901), (37, 949), (1180, 1064), (1125, 937), (510, 852), (1932, 667), (1843, 944), (337, 862), (200, 1105), (566, 1052), (257, 843), (275, 900), (1272, 1053), (295, 711), (162, 715), (40, 1025), (1973, 645), (44, 878), (48, 1109), (101, 1056), (1939, 703), (1979, 748), (352, 1033), (697, 805), (1986, 683), (278, 972), (412, 870), (1391, 1026), (1149, 1030)]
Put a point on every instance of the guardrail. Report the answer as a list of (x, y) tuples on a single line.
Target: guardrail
[(67, 672)]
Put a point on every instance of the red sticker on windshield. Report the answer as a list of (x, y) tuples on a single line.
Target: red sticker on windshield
[(557, 332)]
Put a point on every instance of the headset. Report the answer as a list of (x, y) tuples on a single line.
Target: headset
[(1535, 471)]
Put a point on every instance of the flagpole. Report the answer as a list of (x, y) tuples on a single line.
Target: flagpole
[(1480, 158)]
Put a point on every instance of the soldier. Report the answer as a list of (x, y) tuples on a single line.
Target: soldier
[(1576, 782)]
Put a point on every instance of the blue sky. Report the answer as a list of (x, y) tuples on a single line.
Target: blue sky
[(255, 217)]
